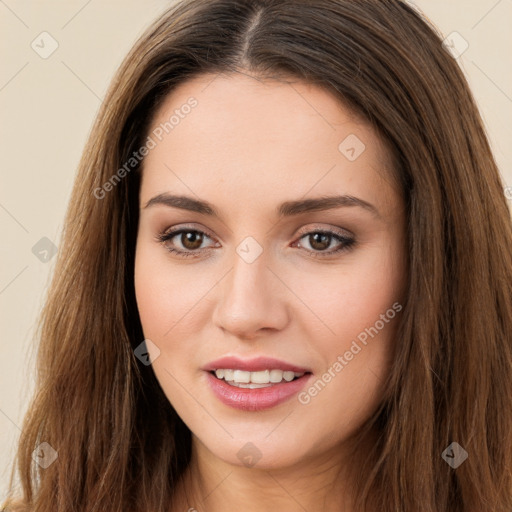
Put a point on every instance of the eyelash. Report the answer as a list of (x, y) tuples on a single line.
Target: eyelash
[(348, 242)]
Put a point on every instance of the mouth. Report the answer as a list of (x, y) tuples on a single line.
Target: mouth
[(256, 384), (255, 380)]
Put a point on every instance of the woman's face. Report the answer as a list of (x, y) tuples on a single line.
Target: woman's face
[(270, 273)]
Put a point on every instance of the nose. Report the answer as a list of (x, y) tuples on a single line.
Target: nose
[(252, 300)]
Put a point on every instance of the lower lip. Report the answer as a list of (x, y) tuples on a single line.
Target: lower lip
[(258, 399)]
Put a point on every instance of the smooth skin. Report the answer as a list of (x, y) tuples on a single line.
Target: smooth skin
[(248, 146)]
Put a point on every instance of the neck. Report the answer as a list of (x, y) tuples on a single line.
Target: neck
[(211, 485)]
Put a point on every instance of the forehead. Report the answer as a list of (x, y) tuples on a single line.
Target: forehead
[(268, 135)]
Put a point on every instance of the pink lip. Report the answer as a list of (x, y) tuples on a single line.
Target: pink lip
[(253, 365), (255, 399)]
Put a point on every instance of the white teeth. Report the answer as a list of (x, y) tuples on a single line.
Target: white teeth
[(250, 385), (288, 376), (276, 375), (242, 377), (228, 374), (260, 377), (253, 380)]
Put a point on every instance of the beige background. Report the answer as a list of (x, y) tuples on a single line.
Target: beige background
[(48, 105)]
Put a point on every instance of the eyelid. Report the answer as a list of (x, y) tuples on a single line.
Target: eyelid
[(348, 242), (344, 236), (187, 227), (331, 229), (302, 231), (173, 231)]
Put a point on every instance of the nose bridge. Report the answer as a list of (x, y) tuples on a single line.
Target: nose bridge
[(249, 298), (249, 270)]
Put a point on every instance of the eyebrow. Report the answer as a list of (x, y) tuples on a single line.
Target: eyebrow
[(286, 209)]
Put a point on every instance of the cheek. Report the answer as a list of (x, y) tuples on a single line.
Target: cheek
[(166, 298), (347, 299), (165, 301), (359, 304), (154, 301)]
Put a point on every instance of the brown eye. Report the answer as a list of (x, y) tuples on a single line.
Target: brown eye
[(319, 241), (184, 242), (191, 239), (325, 243)]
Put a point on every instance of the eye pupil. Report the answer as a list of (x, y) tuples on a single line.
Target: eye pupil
[(191, 239), (320, 241)]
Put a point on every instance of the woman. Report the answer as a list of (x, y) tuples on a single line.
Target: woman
[(285, 278)]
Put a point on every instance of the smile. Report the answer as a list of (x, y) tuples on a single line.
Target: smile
[(255, 396), (255, 380)]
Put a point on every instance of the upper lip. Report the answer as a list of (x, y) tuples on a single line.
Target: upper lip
[(253, 365)]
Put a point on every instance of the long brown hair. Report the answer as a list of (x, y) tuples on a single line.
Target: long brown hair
[(120, 444)]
